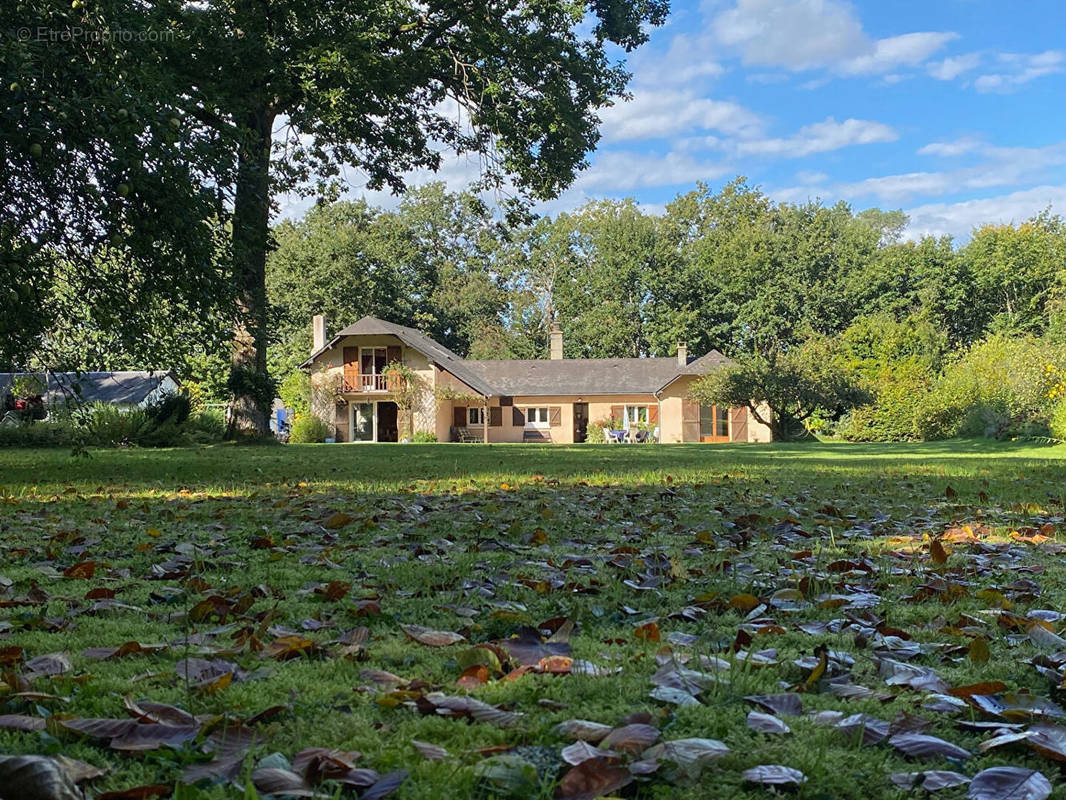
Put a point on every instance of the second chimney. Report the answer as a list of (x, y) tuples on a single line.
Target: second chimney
[(682, 354), (318, 332), (556, 342)]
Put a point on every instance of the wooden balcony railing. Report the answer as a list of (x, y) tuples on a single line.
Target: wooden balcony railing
[(356, 382)]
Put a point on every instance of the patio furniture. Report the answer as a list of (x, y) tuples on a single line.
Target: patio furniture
[(617, 436), (640, 437), (467, 435)]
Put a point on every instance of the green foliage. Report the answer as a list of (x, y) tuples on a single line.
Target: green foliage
[(308, 429), (295, 392), (1001, 387), (27, 386), (1057, 425), (793, 385), (423, 437)]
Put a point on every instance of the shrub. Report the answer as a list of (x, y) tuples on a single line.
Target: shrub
[(206, 426), (38, 434), (1058, 421), (295, 392), (1001, 387), (423, 437), (307, 429), (898, 390)]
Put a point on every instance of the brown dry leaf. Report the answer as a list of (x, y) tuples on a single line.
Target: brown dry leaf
[(292, 646), (937, 552), (984, 688), (430, 637), (648, 632), (591, 779), (582, 730), (555, 665), (11, 655), (83, 570), (159, 713), (473, 677), (632, 738)]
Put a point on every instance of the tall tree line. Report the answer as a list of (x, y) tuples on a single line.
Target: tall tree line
[(728, 269)]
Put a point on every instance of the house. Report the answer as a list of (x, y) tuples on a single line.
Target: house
[(546, 400), (128, 389)]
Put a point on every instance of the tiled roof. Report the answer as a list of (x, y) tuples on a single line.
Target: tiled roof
[(123, 388), (500, 377), (435, 352)]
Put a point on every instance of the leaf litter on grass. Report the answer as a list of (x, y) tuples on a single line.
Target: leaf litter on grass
[(790, 615)]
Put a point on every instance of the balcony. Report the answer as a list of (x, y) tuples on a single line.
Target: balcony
[(355, 382)]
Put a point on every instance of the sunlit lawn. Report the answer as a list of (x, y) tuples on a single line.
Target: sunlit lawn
[(725, 548)]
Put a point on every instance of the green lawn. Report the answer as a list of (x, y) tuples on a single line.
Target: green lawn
[(286, 573)]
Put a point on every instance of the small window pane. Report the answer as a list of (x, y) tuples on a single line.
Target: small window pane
[(721, 426)]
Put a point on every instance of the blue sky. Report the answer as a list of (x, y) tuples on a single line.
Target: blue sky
[(953, 110)]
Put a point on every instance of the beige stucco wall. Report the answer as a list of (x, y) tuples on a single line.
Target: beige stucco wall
[(435, 415), (329, 367)]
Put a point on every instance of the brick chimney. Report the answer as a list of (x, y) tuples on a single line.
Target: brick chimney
[(318, 332), (682, 354), (556, 342)]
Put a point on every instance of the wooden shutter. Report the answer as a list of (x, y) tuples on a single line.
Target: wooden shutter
[(351, 358), (690, 410), (555, 417), (617, 412), (739, 427), (495, 416), (653, 414), (459, 416), (393, 353), (518, 419)]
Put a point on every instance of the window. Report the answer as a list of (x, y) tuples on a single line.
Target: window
[(363, 414), (373, 360), (635, 416), (714, 422), (536, 417), (475, 416)]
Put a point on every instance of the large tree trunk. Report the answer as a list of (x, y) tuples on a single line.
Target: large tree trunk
[(249, 380)]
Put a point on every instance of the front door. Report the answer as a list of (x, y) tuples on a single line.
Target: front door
[(581, 421), (388, 430)]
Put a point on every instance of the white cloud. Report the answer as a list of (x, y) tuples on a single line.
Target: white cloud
[(799, 34), (908, 50), (665, 113), (954, 66), (811, 178), (958, 147), (819, 138), (805, 34), (1016, 69), (1001, 166), (624, 171), (959, 219)]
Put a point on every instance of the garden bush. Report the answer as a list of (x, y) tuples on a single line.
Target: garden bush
[(307, 429), (423, 437), (1002, 387)]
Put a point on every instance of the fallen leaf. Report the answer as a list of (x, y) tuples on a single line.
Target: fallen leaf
[(431, 637), (1009, 783), (774, 775)]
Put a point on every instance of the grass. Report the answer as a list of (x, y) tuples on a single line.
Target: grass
[(486, 539)]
